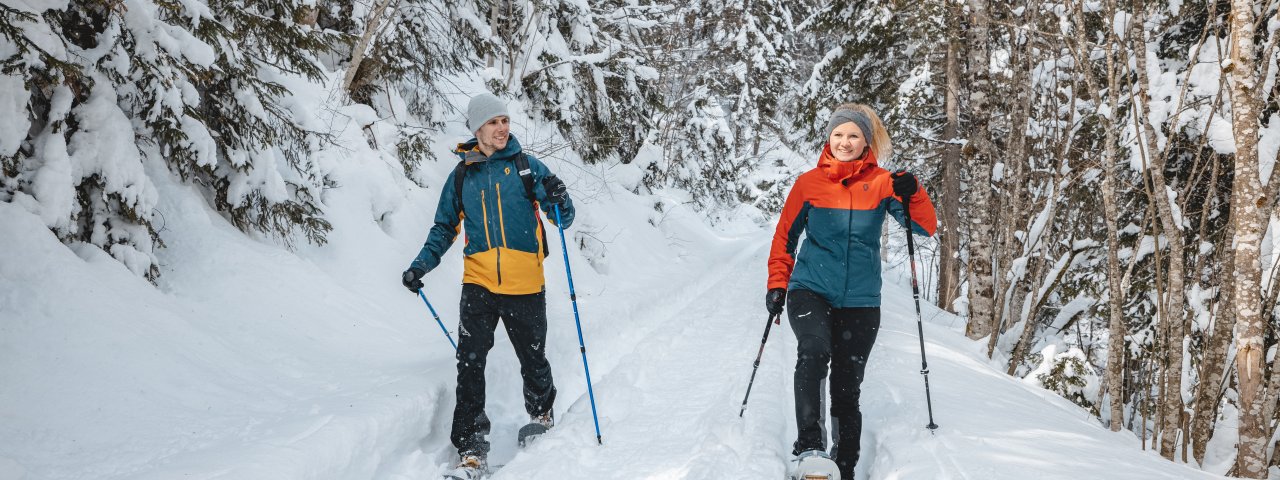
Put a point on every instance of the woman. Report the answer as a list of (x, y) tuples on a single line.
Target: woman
[(833, 284)]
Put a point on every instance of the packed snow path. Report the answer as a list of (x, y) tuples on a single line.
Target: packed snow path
[(670, 405), (234, 370)]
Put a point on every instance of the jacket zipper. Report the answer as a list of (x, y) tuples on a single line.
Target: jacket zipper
[(502, 230), (485, 210), (848, 242)]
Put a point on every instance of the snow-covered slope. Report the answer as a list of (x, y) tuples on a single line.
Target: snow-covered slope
[(251, 361)]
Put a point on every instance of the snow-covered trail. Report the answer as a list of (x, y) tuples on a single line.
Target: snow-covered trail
[(669, 405), (252, 362)]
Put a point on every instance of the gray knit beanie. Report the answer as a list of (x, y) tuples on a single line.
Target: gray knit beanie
[(845, 115), (484, 107)]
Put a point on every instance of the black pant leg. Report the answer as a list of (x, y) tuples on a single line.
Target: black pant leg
[(479, 318), (810, 317), (525, 318), (854, 333)]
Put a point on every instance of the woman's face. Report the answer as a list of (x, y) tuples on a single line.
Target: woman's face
[(847, 142)]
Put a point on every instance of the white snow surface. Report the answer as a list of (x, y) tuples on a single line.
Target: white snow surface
[(251, 361), (254, 362)]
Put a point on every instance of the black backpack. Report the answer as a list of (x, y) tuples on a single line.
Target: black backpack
[(526, 177)]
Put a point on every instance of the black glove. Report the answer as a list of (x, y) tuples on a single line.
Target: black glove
[(905, 184), (774, 299), (557, 193), (412, 279)]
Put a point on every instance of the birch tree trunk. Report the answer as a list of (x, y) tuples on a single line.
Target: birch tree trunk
[(1174, 311), (1116, 353), (1013, 200), (1247, 213), (949, 239), (1214, 362), (1116, 289), (982, 308)]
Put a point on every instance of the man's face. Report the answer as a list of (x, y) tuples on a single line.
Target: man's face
[(493, 135)]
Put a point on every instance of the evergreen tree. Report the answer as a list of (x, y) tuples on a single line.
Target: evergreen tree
[(197, 88), (875, 52), (412, 51), (582, 67), (264, 178), (76, 164), (726, 76)]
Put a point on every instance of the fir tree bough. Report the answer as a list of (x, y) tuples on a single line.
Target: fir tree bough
[(198, 87)]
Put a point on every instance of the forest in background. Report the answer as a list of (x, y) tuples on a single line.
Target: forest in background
[(1104, 171)]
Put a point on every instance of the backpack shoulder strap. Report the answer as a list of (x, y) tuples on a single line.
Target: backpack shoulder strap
[(526, 175), (459, 174)]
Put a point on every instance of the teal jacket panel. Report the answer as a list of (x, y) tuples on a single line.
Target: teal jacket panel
[(495, 209)]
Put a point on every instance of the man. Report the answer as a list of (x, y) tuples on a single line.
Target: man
[(494, 194)]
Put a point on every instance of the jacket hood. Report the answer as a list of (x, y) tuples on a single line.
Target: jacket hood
[(836, 170), (469, 152)]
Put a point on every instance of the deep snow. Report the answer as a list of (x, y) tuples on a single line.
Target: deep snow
[(251, 361)]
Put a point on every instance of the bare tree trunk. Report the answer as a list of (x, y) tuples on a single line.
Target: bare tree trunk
[(1174, 312), (1271, 396), (1014, 200), (1250, 225), (1146, 400), (491, 58), (370, 32), (1116, 354), (1269, 402), (1028, 332), (949, 238), (1214, 362), (982, 308), (1117, 357), (1208, 391)]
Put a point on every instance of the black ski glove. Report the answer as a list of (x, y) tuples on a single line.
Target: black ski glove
[(905, 184), (557, 193), (412, 279), (774, 300)]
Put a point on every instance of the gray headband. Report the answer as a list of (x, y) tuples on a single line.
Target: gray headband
[(846, 115)]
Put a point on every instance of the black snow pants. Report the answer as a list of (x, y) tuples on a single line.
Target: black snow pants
[(525, 318), (843, 338)]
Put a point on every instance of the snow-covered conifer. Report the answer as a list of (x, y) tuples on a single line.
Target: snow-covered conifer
[(582, 66)]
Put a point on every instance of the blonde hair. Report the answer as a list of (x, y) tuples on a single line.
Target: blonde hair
[(878, 137)]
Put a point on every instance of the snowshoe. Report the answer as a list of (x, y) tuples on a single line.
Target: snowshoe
[(538, 425), (815, 465), (471, 467)]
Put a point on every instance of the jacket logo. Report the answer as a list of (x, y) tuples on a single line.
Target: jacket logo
[(866, 186), (506, 171)]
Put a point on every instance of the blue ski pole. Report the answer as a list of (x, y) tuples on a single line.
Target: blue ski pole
[(581, 345), (438, 322)]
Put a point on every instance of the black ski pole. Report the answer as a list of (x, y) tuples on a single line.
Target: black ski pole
[(768, 324), (915, 294)]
